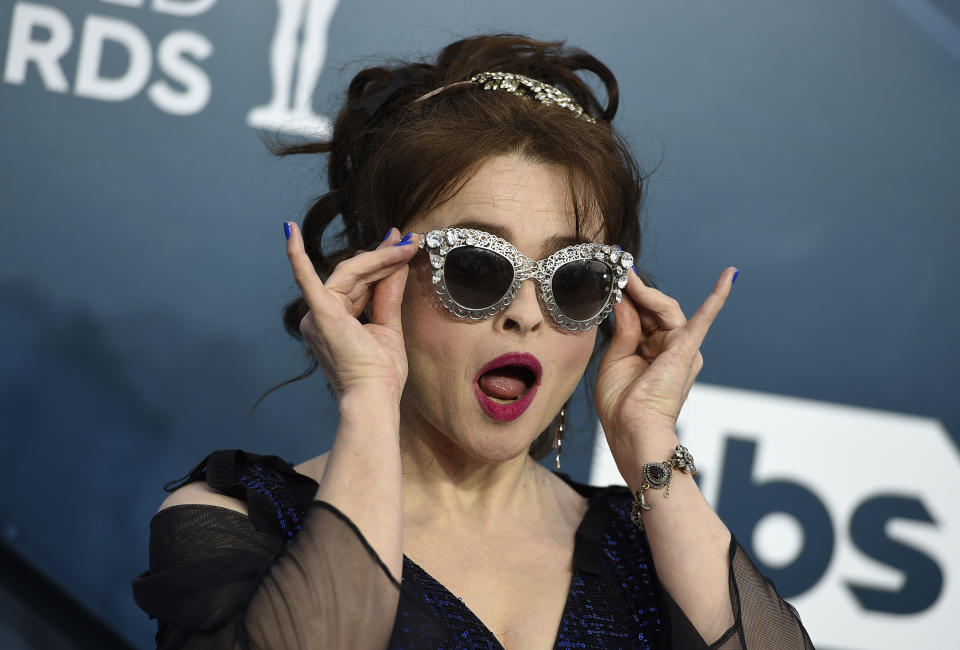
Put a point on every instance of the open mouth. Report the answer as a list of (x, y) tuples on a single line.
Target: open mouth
[(507, 383), (506, 386)]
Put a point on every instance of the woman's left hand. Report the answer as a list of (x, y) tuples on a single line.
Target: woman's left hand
[(648, 370)]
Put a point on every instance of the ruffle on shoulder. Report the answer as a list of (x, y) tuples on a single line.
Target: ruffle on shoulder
[(277, 496), (222, 580)]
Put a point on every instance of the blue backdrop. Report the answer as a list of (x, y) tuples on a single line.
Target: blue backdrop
[(814, 145)]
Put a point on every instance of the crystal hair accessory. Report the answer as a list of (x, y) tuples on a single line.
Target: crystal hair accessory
[(521, 86), (657, 476), (477, 275)]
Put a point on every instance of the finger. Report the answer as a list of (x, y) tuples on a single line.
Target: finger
[(387, 299), (388, 295), (650, 324), (317, 297), (361, 300), (392, 237), (370, 266), (701, 321), (365, 304), (353, 279), (660, 306), (627, 330), (355, 276), (386, 241)]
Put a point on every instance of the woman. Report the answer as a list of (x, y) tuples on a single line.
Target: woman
[(452, 351)]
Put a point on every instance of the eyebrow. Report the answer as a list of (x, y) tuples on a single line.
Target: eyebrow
[(550, 245)]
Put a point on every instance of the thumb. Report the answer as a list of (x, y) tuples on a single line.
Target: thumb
[(387, 297), (627, 330)]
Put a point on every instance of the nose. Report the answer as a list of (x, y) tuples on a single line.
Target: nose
[(524, 313)]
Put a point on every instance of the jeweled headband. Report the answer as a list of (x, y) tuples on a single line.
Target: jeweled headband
[(521, 86)]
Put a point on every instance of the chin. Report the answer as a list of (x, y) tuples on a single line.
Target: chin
[(497, 446)]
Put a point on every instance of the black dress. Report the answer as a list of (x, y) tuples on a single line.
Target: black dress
[(209, 564)]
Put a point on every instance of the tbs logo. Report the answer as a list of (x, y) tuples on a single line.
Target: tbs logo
[(824, 499)]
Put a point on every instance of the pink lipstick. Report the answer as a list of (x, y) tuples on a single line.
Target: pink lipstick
[(506, 386)]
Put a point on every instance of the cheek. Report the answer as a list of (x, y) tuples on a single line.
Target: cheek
[(580, 346), (429, 330), (422, 315), (572, 356)]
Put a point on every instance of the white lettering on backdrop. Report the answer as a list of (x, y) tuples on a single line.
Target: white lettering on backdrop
[(41, 36)]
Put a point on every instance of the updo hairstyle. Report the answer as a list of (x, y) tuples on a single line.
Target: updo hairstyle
[(393, 155)]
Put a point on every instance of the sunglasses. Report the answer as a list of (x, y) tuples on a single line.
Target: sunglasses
[(477, 275)]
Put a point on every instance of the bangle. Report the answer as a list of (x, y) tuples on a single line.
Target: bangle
[(657, 476)]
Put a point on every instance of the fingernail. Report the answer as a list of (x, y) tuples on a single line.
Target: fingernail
[(286, 229), (735, 274), (387, 236), (635, 272), (405, 240), (618, 247)]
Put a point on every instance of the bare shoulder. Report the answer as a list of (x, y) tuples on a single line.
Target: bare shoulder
[(314, 467), (199, 493)]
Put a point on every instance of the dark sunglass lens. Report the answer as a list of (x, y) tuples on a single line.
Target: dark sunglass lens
[(581, 288), (476, 277)]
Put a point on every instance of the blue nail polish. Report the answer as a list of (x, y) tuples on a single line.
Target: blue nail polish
[(387, 236), (618, 247), (286, 229), (403, 243), (405, 240), (735, 274), (635, 272)]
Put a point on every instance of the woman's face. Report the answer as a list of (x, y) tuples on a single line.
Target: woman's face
[(453, 395)]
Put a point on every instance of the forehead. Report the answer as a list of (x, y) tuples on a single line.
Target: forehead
[(527, 203)]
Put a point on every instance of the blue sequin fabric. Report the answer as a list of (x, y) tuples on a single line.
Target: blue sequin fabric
[(269, 483), (277, 496), (614, 599), (616, 605)]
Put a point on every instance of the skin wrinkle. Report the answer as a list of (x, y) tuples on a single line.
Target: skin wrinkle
[(493, 525), (583, 213), (464, 446)]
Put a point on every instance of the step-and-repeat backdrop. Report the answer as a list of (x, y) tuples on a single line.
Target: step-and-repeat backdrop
[(815, 145)]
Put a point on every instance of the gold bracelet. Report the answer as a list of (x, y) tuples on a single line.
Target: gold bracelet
[(657, 476)]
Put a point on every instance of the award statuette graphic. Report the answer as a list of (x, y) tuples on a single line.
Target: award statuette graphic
[(297, 54)]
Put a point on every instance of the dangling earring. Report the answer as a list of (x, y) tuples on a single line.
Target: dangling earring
[(558, 439)]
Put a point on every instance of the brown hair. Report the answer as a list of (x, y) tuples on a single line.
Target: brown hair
[(392, 157)]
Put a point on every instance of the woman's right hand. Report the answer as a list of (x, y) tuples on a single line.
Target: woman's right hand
[(354, 356)]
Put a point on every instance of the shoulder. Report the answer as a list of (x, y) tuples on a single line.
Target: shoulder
[(196, 489), (274, 494), (199, 493), (608, 543), (610, 494), (314, 467)]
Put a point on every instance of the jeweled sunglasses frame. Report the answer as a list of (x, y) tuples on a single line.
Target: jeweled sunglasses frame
[(439, 243)]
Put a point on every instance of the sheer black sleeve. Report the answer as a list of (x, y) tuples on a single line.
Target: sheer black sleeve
[(762, 619), (222, 580), (297, 573)]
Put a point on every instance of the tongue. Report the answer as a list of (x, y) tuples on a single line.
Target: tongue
[(503, 383)]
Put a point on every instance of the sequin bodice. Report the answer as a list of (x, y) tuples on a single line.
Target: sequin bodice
[(614, 599), (214, 572)]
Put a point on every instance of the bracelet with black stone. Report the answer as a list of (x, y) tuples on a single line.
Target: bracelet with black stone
[(657, 476)]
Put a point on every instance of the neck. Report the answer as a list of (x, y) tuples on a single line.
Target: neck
[(444, 485)]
